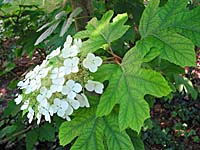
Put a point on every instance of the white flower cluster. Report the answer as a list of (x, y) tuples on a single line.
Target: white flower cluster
[(57, 85)]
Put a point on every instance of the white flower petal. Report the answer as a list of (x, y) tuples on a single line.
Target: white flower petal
[(99, 88), (86, 63), (55, 70), (71, 95), (40, 98), (90, 56), (48, 94), (82, 100), (25, 105), (43, 73), (57, 101), (92, 68), (74, 69), (74, 103), (77, 88), (70, 83), (43, 90), (68, 41), (54, 53), (61, 113), (20, 84), (30, 114), (89, 86), (53, 109), (65, 90), (78, 43), (38, 116), (18, 100), (59, 88), (69, 110), (53, 88), (44, 103), (46, 114), (28, 90), (64, 105), (98, 61), (67, 118)]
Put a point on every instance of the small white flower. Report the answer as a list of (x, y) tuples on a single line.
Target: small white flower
[(44, 112), (25, 105), (92, 62), (33, 85), (30, 114), (43, 72), (70, 51), (58, 72), (74, 103), (23, 84), (53, 53), (71, 88), (59, 107), (45, 92), (57, 85), (83, 100), (94, 86), (18, 100), (78, 43), (43, 96), (71, 65)]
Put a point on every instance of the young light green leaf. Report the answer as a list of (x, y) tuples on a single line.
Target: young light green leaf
[(102, 32)]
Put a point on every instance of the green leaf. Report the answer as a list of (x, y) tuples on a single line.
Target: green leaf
[(31, 139), (127, 87), (91, 138), (7, 130), (11, 109), (47, 132), (116, 139), (9, 67), (136, 140), (92, 132), (171, 27), (182, 83), (47, 33), (69, 21), (176, 48), (69, 130), (102, 32)]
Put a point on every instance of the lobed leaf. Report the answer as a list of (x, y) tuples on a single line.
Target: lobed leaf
[(127, 87), (172, 26), (102, 32)]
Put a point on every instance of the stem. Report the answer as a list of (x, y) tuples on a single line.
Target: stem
[(117, 59)]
